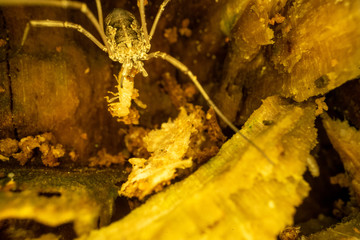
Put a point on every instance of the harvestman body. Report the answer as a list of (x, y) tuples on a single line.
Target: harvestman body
[(124, 40)]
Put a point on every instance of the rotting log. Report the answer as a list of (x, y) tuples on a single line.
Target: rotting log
[(238, 194)]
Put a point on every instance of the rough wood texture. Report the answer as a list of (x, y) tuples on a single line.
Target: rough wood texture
[(238, 194), (59, 79), (313, 50), (56, 85)]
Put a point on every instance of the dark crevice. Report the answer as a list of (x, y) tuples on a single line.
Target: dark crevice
[(8, 73), (30, 229), (323, 196), (49, 194), (121, 208)]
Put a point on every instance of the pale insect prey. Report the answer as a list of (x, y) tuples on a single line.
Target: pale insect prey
[(125, 42)]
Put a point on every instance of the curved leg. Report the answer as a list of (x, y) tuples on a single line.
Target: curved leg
[(63, 4), (179, 65), (51, 23)]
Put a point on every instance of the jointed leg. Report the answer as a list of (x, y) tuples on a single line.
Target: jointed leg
[(63, 4), (141, 6), (143, 19), (157, 18), (51, 23), (100, 14), (179, 65)]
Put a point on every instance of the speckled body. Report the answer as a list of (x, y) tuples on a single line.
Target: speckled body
[(125, 38)]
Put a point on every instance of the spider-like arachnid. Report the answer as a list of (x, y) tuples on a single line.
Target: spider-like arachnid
[(126, 42)]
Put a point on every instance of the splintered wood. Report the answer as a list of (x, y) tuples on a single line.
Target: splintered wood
[(237, 194), (168, 147), (346, 141)]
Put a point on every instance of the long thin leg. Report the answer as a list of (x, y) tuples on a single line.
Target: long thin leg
[(157, 18), (141, 6), (193, 78), (179, 65), (51, 23), (100, 14), (63, 4)]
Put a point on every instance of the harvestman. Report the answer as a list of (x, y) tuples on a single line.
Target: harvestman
[(131, 50)]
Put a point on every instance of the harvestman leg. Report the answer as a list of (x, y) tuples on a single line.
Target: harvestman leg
[(100, 15), (52, 23), (179, 65), (141, 6), (99, 26), (158, 15), (183, 68), (67, 4), (143, 19)]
